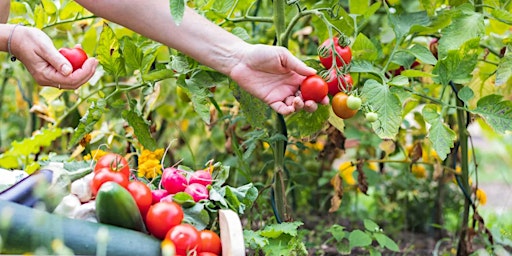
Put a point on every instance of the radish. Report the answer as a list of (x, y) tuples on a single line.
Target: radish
[(173, 180), (203, 177), (197, 191), (158, 194)]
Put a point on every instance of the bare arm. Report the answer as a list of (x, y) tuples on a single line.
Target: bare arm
[(5, 7)]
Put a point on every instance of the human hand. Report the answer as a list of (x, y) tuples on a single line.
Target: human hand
[(274, 75), (48, 67)]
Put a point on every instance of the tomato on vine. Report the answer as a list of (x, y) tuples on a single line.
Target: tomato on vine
[(114, 162), (339, 106), (371, 117), (314, 88), (337, 82), (354, 102), (343, 53)]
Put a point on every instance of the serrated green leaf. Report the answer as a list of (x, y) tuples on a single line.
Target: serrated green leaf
[(158, 75), (276, 230), (358, 238), (357, 6), (177, 10), (362, 66), (458, 65), (370, 225), (241, 33), (423, 54), (70, 10), (196, 215), (40, 17), (504, 70), (87, 122), (466, 25), (132, 54), (439, 134), (415, 73), (254, 240), (140, 129), (108, 52), (496, 112), (466, 94), (199, 92), (308, 123), (402, 22), (49, 7), (255, 111), (335, 121), (337, 231), (386, 105), (399, 81), (223, 6), (364, 49), (386, 242), (502, 15)]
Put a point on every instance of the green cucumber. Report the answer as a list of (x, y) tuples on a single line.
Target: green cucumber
[(25, 230), (116, 206)]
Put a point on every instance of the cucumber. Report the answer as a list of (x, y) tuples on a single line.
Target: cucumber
[(25, 230), (116, 206)]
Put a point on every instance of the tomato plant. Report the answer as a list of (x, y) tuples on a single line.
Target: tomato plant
[(314, 88), (340, 107), (371, 117), (76, 56), (142, 195), (162, 216), (103, 175), (338, 82), (343, 53), (113, 162), (185, 237), (209, 242)]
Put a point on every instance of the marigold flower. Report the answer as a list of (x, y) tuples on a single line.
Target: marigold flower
[(149, 163), (346, 171), (95, 154), (481, 196)]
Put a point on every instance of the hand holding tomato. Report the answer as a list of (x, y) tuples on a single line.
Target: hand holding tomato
[(76, 56), (314, 88)]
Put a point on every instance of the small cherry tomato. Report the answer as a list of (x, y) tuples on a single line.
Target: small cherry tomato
[(76, 56), (210, 242), (371, 117), (343, 53), (339, 106), (104, 175), (142, 195), (114, 162), (338, 82), (354, 102), (185, 237), (314, 88), (163, 216)]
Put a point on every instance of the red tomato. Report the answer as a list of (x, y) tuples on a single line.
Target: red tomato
[(114, 162), (207, 254), (338, 82), (142, 195), (339, 106), (76, 56), (210, 242), (163, 216), (104, 175), (185, 237), (314, 88), (344, 53)]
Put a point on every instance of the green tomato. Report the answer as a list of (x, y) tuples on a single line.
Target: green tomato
[(372, 117), (354, 102)]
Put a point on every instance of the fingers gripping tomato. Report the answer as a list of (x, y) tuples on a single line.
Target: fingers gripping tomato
[(343, 53), (314, 88), (76, 56), (339, 106)]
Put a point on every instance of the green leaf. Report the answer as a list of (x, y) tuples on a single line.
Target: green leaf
[(254, 240), (423, 54), (276, 230), (158, 75), (196, 215), (238, 199), (87, 122), (496, 112), (223, 6), (458, 65), (49, 7), (177, 10), (364, 49), (386, 105), (358, 238), (502, 15), (108, 53), (399, 81), (337, 231), (415, 73), (370, 225), (357, 6), (308, 123), (255, 111), (70, 10), (402, 23), (241, 33), (504, 71), (200, 94), (466, 25), (441, 136), (466, 94), (362, 66), (140, 129), (386, 242)]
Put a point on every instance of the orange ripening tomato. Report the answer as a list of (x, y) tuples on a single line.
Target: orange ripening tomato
[(339, 106)]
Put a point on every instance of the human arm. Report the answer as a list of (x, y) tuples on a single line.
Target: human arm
[(270, 73), (36, 51)]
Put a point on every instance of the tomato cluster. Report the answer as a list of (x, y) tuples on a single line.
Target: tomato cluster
[(164, 218)]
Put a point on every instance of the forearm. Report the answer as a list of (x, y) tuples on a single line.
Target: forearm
[(5, 7), (195, 36)]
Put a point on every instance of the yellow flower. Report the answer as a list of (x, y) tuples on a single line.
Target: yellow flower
[(346, 171), (149, 163), (95, 154), (419, 171), (373, 166), (481, 196)]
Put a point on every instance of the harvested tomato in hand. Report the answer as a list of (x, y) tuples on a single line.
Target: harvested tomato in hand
[(163, 216), (210, 242), (142, 195), (314, 88), (76, 56), (104, 175), (343, 52), (185, 237), (339, 106), (114, 162), (338, 82)]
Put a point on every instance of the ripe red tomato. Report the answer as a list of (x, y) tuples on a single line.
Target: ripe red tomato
[(185, 237), (163, 216), (207, 254), (339, 106), (114, 162), (344, 53), (314, 88), (76, 56), (104, 175), (338, 82), (210, 242), (142, 195)]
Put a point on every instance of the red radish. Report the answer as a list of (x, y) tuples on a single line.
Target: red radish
[(173, 180), (197, 191), (158, 194), (203, 177), (167, 198)]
